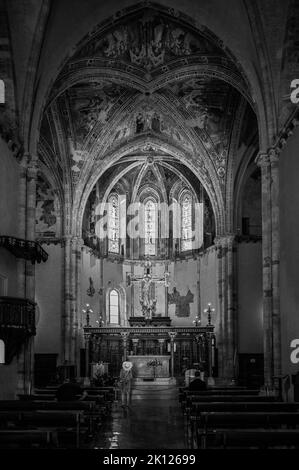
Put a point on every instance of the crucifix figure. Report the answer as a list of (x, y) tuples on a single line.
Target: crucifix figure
[(147, 296)]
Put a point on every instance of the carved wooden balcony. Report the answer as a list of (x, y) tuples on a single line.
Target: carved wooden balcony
[(17, 324), (26, 249)]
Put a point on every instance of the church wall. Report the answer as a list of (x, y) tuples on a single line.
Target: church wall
[(90, 269), (9, 177), (112, 278), (49, 285), (289, 254), (208, 286), (250, 298)]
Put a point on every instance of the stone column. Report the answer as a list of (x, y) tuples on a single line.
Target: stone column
[(30, 223), (87, 349), (227, 320), (221, 345), (172, 336), (275, 240), (263, 161), (161, 344), (231, 324), (22, 221), (66, 312), (26, 270), (125, 336), (135, 345), (75, 270)]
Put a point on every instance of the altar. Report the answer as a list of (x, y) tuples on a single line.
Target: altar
[(150, 366)]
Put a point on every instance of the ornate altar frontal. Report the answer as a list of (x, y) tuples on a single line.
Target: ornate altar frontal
[(186, 347)]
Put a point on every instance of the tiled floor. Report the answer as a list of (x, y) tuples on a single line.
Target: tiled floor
[(153, 421)]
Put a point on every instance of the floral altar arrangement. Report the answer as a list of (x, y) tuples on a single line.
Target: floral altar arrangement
[(154, 363)]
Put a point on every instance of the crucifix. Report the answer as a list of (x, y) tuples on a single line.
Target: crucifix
[(147, 281)]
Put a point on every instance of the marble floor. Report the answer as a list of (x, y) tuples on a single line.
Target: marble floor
[(154, 420)]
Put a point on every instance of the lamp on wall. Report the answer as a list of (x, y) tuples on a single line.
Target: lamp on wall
[(87, 311), (209, 312), (197, 321)]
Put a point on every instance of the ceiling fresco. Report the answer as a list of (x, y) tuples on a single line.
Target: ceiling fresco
[(96, 116), (148, 40)]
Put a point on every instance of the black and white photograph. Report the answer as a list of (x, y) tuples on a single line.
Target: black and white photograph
[(149, 230)]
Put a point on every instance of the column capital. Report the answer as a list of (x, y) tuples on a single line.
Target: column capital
[(262, 159), (32, 162), (23, 161), (225, 239), (125, 335), (172, 335)]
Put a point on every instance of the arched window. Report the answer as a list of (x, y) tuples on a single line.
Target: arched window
[(2, 352), (186, 222), (113, 224), (114, 307), (150, 227)]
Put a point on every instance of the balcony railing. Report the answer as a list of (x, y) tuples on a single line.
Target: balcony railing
[(26, 249), (17, 313), (17, 323)]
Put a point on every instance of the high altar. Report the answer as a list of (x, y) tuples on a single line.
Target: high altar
[(154, 346), (150, 366)]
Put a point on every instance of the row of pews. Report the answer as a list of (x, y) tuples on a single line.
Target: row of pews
[(39, 421), (239, 418)]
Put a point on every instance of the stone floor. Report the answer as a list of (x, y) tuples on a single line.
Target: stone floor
[(154, 420)]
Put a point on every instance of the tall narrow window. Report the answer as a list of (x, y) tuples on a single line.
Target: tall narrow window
[(113, 224), (114, 307), (2, 92), (150, 228), (2, 352), (186, 222)]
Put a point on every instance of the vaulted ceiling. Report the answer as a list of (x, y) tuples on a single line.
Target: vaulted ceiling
[(148, 82), (203, 83)]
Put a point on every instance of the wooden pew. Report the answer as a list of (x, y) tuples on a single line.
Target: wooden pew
[(214, 420), (199, 409), (252, 438), (211, 421), (27, 438), (193, 399), (183, 397)]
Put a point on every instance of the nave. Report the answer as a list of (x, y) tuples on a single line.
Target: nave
[(154, 420)]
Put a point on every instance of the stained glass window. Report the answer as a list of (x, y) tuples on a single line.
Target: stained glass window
[(113, 224), (150, 228), (114, 307), (186, 222)]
